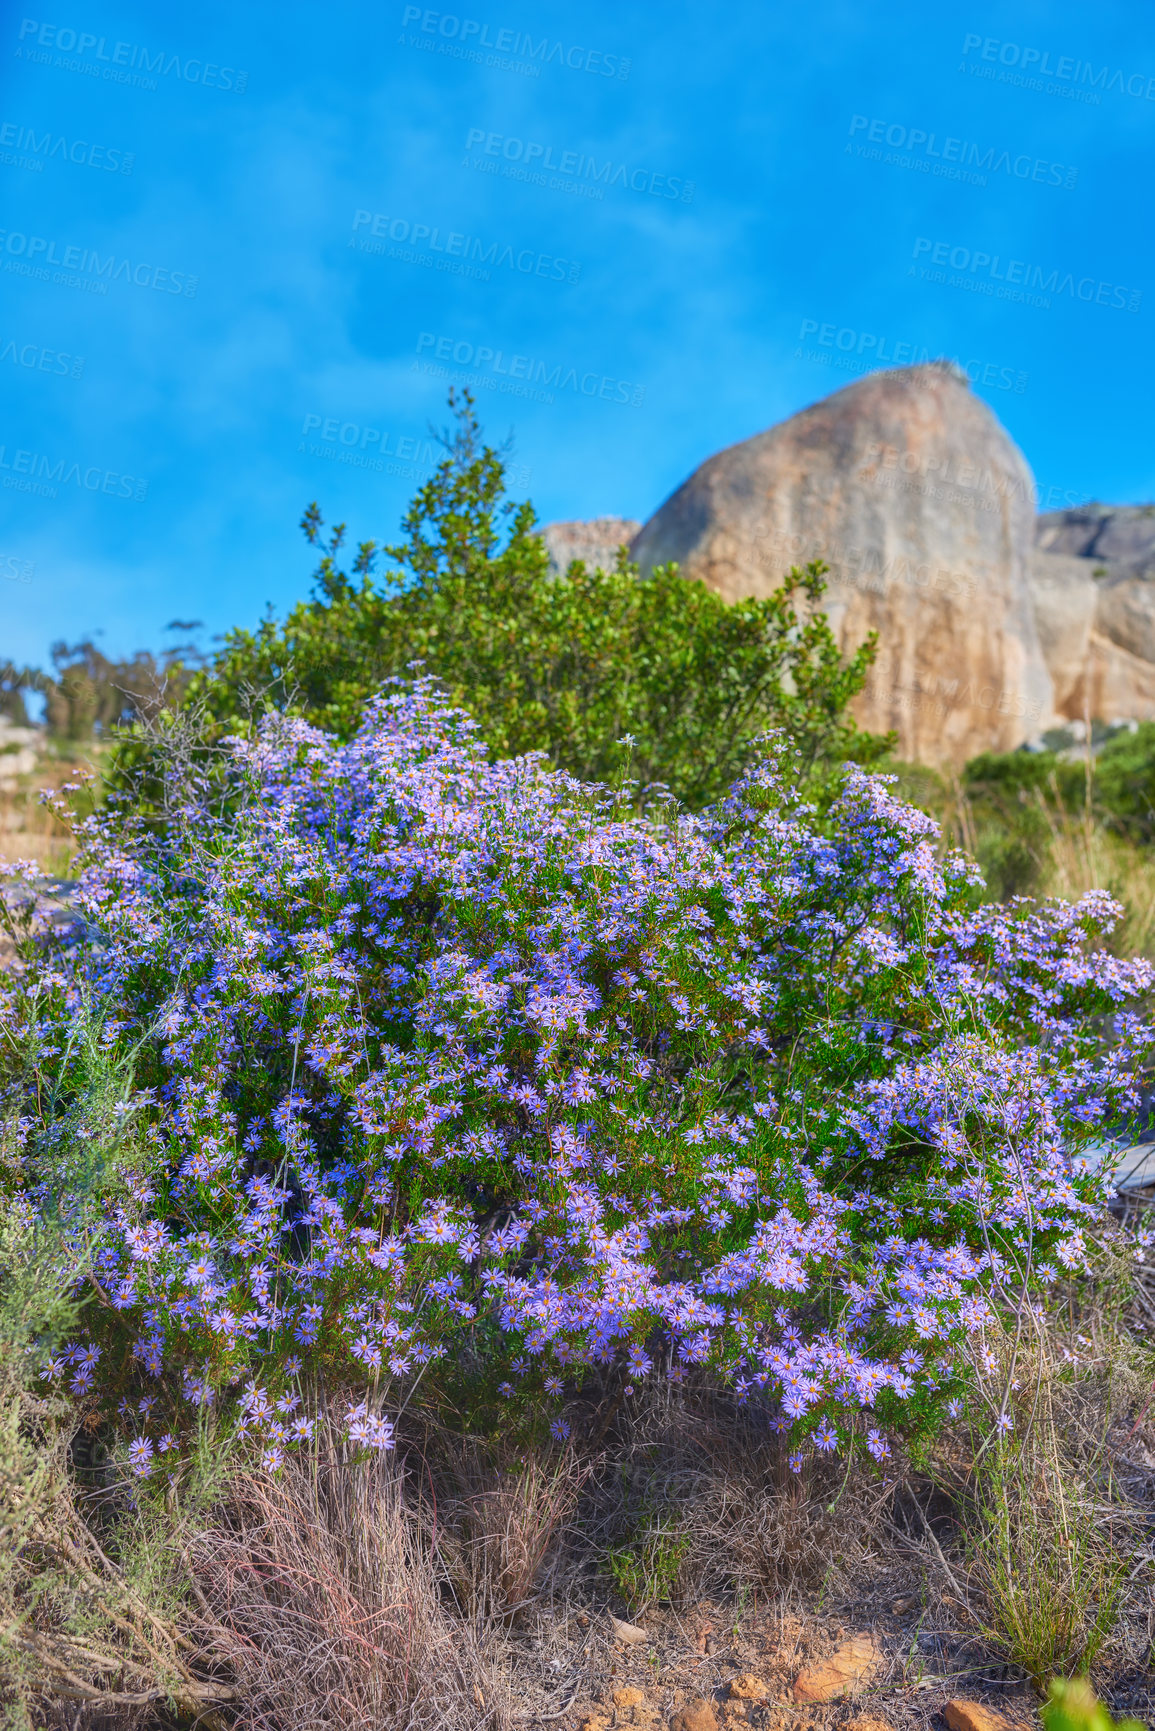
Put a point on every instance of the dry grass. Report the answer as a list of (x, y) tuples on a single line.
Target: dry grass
[(30, 830), (319, 1589), (697, 1488), (1052, 1520), (496, 1520), (1086, 856), (1072, 852)]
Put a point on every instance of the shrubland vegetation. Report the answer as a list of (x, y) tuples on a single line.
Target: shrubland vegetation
[(546, 1127)]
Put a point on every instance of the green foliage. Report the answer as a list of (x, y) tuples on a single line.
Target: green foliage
[(1125, 782), (1050, 1580), (1011, 795), (1019, 799), (91, 694), (648, 1569), (569, 665), (1074, 1706)]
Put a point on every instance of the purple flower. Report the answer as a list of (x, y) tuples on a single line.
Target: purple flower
[(426, 1039), (140, 1456)]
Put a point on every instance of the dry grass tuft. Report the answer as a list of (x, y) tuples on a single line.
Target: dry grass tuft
[(1054, 1517), (497, 1522), (319, 1589), (699, 1489)]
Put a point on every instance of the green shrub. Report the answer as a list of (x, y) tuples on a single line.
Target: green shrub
[(570, 665)]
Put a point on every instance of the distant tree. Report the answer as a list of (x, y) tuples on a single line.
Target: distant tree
[(91, 694), (14, 682)]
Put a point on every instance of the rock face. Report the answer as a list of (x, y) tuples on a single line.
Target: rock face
[(909, 488), (20, 749), (596, 541), (1092, 576)]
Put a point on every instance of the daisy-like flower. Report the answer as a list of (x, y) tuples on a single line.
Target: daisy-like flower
[(877, 1444), (639, 1363), (559, 1429), (826, 1437), (140, 1456), (360, 1428)]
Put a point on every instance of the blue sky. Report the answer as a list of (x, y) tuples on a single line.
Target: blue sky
[(244, 252)]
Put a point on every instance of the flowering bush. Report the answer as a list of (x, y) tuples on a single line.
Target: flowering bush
[(453, 1070)]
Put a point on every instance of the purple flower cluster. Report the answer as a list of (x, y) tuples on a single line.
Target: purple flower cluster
[(432, 1053)]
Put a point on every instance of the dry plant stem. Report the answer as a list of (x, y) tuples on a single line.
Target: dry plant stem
[(321, 1586), (170, 1635)]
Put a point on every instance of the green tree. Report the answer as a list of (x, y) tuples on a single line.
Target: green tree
[(570, 665)]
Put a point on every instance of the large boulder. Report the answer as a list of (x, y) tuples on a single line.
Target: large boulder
[(908, 487), (595, 541), (1093, 579)]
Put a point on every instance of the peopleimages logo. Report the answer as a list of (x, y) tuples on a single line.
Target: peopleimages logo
[(868, 568), (1018, 279), (31, 472), (875, 349), (31, 254), (15, 569), (920, 146), (128, 63), (938, 696), (381, 450), (1034, 64), (469, 35), (44, 147), (38, 359), (461, 254), (536, 159), (521, 375)]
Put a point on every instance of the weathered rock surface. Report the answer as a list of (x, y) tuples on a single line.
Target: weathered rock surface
[(973, 1716), (20, 750), (628, 1697), (748, 1687), (1092, 576), (993, 624), (698, 1715), (596, 541), (921, 504), (849, 1668)]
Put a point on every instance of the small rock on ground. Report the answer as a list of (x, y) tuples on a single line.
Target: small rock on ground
[(696, 1715), (847, 1669), (973, 1716), (628, 1632), (747, 1687)]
